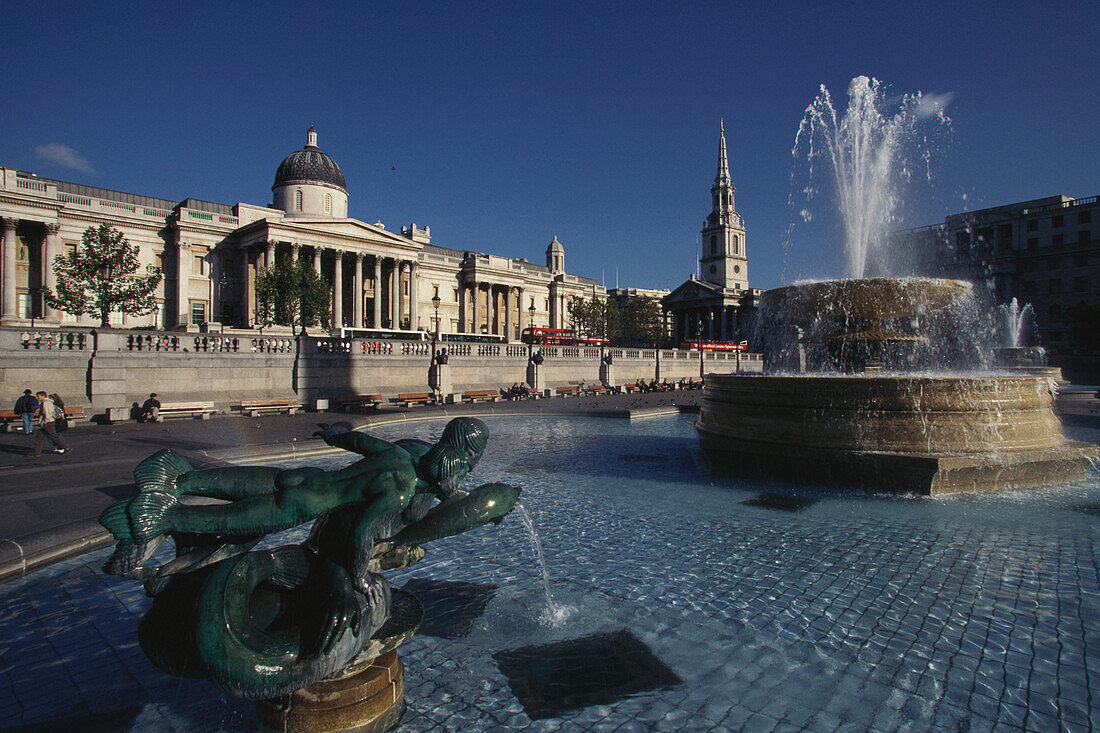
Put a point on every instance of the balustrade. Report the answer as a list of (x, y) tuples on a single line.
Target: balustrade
[(60, 340), (273, 345)]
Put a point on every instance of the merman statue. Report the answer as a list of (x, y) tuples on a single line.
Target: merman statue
[(264, 623)]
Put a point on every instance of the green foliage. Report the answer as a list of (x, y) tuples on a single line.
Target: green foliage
[(101, 277), (293, 294), (638, 323)]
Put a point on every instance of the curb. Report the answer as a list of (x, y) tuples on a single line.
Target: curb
[(22, 556)]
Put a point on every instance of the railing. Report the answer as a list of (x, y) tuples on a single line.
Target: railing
[(513, 350), (410, 348), (152, 342), (68, 198), (30, 185), (1061, 205), (217, 344), (488, 349), (59, 340), (268, 345)]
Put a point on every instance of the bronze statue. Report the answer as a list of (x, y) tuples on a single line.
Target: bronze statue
[(264, 623)]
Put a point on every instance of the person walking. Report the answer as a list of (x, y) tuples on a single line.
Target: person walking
[(43, 419), (26, 406), (60, 419)]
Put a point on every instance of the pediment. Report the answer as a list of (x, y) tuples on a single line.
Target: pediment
[(692, 291)]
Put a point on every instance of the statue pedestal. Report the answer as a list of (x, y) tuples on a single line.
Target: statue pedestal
[(369, 700), (367, 696)]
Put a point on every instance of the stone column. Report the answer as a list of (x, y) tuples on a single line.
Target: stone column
[(377, 292), (395, 295), (413, 297), (476, 292), (462, 307), (357, 305), (522, 311), (49, 275), (508, 314), (317, 260), (338, 290), (182, 316), (247, 286), (9, 300), (269, 255), (295, 252)]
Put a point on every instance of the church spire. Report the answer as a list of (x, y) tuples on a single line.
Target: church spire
[(723, 177)]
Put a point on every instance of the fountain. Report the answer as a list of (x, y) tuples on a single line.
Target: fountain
[(883, 382), (1014, 325)]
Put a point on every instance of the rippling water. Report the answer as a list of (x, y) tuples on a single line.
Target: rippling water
[(701, 604)]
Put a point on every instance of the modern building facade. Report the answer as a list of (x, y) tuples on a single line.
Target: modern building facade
[(717, 305), (210, 254), (1041, 252)]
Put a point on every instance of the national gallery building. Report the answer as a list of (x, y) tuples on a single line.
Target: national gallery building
[(210, 254)]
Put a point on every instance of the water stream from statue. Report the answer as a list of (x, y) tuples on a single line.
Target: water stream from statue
[(555, 613)]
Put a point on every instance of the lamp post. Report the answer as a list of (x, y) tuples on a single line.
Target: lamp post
[(303, 291), (435, 305), (104, 307), (699, 343), (531, 315)]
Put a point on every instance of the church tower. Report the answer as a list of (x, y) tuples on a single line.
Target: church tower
[(722, 259)]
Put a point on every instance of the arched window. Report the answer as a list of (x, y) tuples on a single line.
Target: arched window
[(736, 244), (298, 200), (714, 244), (328, 203)]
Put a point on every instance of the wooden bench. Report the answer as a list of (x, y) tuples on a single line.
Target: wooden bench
[(10, 417), (632, 388), (596, 389), (201, 410), (361, 400), (255, 408), (476, 395), (408, 399), (530, 393), (570, 391)]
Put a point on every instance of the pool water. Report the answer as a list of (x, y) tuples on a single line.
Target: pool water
[(692, 602)]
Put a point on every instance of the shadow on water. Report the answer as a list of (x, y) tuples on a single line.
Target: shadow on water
[(450, 607), (551, 679)]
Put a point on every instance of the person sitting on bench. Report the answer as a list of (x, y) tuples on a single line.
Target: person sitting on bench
[(150, 410)]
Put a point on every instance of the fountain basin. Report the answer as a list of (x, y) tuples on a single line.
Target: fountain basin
[(920, 434), (867, 299)]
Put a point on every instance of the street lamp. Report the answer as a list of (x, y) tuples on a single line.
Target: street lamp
[(531, 312), (699, 343), (435, 304)]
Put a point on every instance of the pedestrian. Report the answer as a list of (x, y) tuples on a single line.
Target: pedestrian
[(43, 419), (60, 419), (26, 406), (150, 409)]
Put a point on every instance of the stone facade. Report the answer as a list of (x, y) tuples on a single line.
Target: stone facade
[(210, 254), (1041, 252)]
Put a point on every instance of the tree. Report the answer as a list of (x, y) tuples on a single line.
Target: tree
[(593, 317), (641, 323), (101, 277), (292, 294), (638, 323)]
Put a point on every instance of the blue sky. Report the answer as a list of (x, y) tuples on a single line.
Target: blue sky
[(510, 123)]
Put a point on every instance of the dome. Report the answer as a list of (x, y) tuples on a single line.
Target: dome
[(555, 246), (310, 165)]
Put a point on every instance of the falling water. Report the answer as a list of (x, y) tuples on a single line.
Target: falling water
[(1014, 319), (870, 151), (555, 613)]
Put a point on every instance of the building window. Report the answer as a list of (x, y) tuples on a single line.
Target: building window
[(198, 266), (1033, 225), (1056, 221), (25, 305), (1082, 260), (198, 312), (456, 294), (328, 203), (713, 244), (1084, 236), (1081, 284), (298, 200), (1056, 240), (736, 269), (1033, 243), (1084, 217)]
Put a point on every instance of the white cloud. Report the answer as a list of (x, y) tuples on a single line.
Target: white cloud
[(64, 156), (932, 104)]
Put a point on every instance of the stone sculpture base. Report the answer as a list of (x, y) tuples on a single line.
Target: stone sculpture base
[(370, 700), (368, 696)]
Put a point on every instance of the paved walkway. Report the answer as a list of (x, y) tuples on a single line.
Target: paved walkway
[(49, 505)]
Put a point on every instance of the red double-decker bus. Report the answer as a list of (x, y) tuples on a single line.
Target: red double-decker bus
[(558, 337), (714, 346)]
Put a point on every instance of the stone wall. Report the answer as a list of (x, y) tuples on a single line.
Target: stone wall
[(114, 368)]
